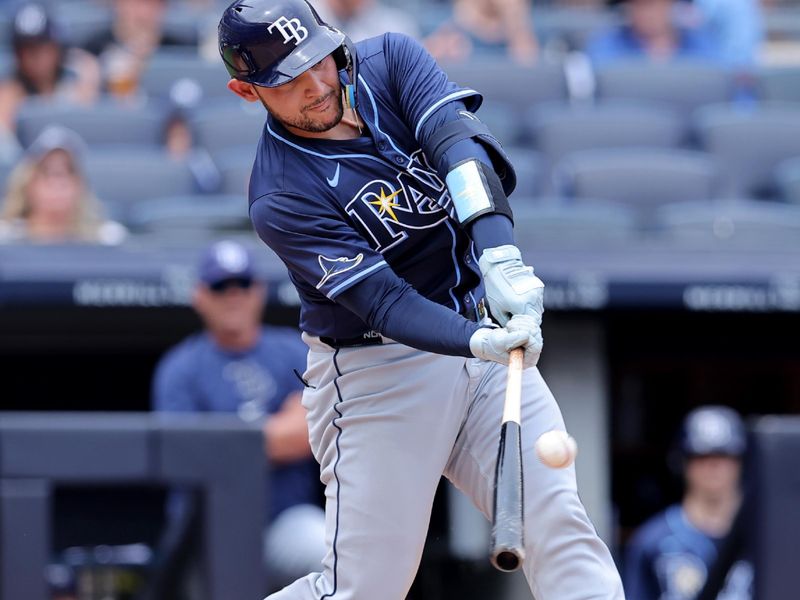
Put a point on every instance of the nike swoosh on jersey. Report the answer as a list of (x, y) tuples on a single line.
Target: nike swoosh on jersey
[(335, 181)]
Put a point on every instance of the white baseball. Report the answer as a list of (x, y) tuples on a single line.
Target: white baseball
[(557, 449)]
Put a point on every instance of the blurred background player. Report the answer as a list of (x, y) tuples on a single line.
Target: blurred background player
[(671, 555), (238, 365), (50, 200)]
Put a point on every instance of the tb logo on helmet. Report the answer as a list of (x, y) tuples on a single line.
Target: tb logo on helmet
[(290, 29)]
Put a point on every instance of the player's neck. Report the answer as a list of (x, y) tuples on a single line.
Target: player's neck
[(236, 340), (350, 127), (711, 513)]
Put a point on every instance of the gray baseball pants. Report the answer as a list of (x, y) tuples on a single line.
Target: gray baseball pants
[(385, 423)]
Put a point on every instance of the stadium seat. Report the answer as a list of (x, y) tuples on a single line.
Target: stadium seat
[(235, 165), (528, 166), (560, 129), (778, 84), (503, 121), (167, 71), (508, 82), (641, 178), (569, 27), (224, 125), (787, 179), (107, 122), (681, 85), (82, 20), (124, 176), (545, 220), (750, 143), (752, 223), (204, 213)]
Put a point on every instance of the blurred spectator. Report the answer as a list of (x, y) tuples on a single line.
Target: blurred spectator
[(49, 199), (651, 31), (670, 556), (124, 49), (736, 26), (238, 365), (44, 67), (363, 19), (485, 28)]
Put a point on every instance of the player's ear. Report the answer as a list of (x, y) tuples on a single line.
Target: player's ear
[(243, 90)]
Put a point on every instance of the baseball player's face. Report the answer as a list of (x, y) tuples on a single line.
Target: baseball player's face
[(713, 475), (308, 105), (232, 307)]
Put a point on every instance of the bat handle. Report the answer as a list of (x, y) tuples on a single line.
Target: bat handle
[(507, 548)]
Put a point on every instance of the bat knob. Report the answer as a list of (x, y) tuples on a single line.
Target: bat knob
[(507, 561)]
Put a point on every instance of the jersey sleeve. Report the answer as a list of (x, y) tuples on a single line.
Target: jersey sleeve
[(315, 242), (418, 82)]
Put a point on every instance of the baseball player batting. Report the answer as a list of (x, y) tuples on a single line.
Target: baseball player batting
[(386, 198)]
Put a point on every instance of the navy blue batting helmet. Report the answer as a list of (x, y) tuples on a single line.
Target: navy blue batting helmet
[(271, 42), (713, 430)]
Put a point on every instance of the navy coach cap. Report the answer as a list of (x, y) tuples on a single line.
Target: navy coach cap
[(32, 23), (713, 430), (226, 260)]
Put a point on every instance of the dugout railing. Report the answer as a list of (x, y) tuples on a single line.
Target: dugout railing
[(219, 456)]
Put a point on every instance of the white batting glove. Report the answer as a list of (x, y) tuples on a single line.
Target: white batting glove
[(533, 346), (494, 343), (511, 287)]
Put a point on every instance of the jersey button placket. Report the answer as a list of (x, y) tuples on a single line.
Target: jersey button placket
[(399, 160)]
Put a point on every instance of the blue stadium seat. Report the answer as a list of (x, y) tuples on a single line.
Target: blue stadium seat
[(787, 179), (169, 70), (203, 213), (546, 220), (750, 143), (641, 178), (569, 27), (528, 166), (778, 84), (503, 121), (508, 82), (223, 125), (124, 176), (107, 122), (740, 222), (235, 165), (681, 85), (561, 129), (81, 20)]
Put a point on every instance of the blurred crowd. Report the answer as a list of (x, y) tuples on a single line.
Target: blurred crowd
[(125, 78)]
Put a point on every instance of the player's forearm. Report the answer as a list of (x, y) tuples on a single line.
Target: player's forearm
[(392, 307), (286, 433), (488, 230)]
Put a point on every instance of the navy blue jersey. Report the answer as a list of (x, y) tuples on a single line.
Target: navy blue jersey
[(198, 376), (336, 211), (669, 559)]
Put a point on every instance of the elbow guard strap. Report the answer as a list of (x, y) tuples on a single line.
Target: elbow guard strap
[(475, 190)]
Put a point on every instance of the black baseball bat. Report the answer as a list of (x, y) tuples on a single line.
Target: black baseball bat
[(508, 550)]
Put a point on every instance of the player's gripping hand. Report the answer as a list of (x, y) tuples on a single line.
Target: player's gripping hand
[(511, 287), (494, 343)]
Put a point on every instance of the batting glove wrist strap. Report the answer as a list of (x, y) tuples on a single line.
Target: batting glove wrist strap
[(511, 286)]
